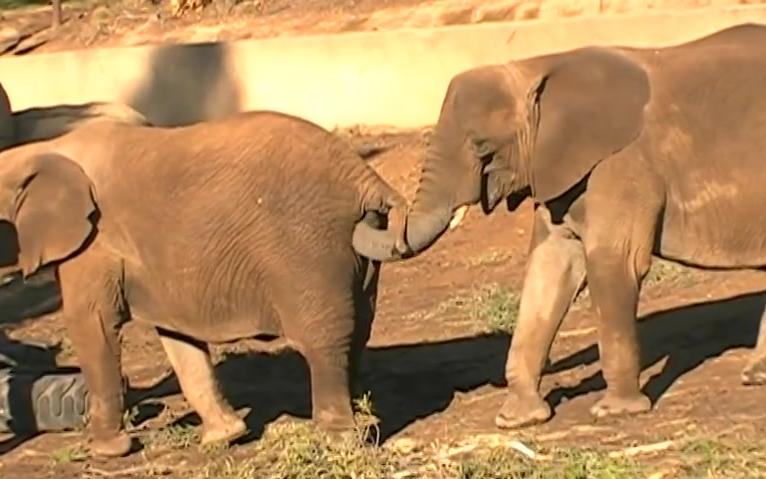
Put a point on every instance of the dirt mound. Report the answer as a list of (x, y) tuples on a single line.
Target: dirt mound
[(138, 22)]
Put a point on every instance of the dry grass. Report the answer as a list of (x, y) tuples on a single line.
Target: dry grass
[(495, 306), (300, 452), (492, 306), (565, 464), (70, 454), (721, 458), (174, 436)]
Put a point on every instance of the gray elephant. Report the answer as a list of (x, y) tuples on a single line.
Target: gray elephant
[(627, 153), (52, 401), (254, 225)]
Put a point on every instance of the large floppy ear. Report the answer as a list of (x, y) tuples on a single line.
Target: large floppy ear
[(53, 210), (589, 104)]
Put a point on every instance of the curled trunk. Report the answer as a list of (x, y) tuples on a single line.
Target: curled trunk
[(371, 242)]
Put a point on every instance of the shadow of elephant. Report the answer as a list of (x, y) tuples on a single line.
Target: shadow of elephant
[(410, 382), (20, 302), (406, 382), (687, 335)]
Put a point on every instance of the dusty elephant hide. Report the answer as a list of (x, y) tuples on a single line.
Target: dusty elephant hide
[(258, 224), (627, 153)]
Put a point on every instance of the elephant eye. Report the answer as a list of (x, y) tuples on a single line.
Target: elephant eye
[(482, 149)]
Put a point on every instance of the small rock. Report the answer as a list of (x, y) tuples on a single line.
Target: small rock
[(404, 445)]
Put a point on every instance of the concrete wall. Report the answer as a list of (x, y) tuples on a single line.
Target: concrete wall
[(395, 77)]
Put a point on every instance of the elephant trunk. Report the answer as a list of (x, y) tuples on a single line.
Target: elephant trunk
[(429, 216), (434, 202), (373, 243)]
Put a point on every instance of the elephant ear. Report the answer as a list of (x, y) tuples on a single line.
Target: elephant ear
[(589, 105), (7, 128), (53, 211)]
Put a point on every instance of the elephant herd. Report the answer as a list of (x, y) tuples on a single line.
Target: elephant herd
[(264, 224)]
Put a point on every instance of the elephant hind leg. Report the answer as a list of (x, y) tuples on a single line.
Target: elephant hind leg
[(754, 373), (323, 332), (555, 274), (191, 362)]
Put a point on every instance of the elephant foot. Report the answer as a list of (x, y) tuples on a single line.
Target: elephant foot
[(342, 436), (335, 421), (227, 431), (522, 411), (754, 374), (117, 446), (611, 405)]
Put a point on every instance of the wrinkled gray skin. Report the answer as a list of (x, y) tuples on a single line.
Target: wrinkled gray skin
[(626, 153), (254, 225), (43, 123)]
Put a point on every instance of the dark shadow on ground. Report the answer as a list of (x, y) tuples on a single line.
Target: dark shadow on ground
[(28, 361), (415, 381), (687, 335), (409, 382), (406, 383)]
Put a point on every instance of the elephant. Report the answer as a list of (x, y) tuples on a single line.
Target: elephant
[(55, 401), (260, 224), (626, 154)]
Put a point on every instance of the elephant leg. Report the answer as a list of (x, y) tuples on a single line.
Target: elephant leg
[(324, 337), (191, 362), (754, 373), (330, 388), (614, 294), (555, 274), (622, 220), (93, 320)]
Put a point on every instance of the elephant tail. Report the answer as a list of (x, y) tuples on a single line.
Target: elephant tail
[(379, 235)]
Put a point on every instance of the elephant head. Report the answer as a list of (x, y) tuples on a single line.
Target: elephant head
[(49, 201), (538, 126)]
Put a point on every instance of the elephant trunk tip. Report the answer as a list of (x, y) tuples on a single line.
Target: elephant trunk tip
[(375, 244)]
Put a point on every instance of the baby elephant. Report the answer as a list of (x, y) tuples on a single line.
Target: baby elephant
[(257, 224)]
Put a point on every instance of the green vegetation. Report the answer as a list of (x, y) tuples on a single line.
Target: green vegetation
[(14, 4), (495, 306), (175, 436)]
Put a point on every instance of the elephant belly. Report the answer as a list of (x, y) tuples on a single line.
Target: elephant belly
[(720, 226), (214, 321)]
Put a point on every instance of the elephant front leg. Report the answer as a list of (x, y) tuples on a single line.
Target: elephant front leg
[(754, 373), (191, 362), (555, 273), (93, 321)]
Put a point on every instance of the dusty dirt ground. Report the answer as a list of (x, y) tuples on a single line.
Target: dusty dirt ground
[(89, 23), (433, 370)]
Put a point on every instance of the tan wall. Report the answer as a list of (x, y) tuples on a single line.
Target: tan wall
[(376, 78)]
